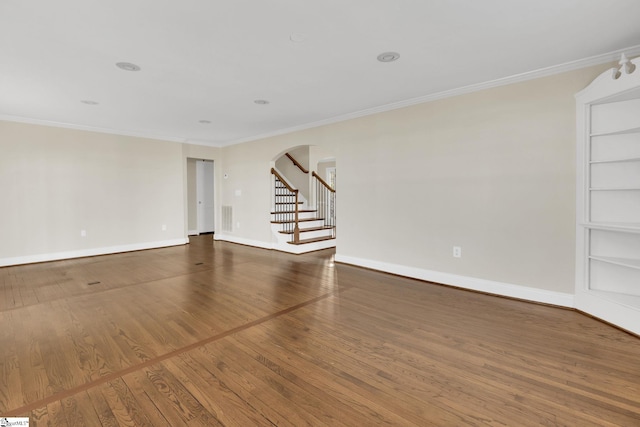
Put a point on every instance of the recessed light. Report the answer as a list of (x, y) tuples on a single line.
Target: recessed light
[(206, 122), (298, 37), (89, 102), (261, 101), (128, 66), (388, 56)]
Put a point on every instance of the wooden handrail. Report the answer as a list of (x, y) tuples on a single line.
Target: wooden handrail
[(295, 162), (322, 181)]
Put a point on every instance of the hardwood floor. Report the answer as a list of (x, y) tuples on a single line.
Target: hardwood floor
[(220, 334)]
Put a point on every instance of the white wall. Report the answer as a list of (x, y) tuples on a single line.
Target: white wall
[(56, 182), (491, 171)]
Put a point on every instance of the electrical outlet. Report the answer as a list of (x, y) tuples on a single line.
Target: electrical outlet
[(164, 227), (83, 233), (457, 252), (238, 224)]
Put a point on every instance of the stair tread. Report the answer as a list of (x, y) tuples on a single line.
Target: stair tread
[(288, 203), (300, 220), (304, 230), (299, 211), (317, 239)]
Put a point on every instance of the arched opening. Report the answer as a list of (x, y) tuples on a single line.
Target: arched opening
[(303, 215)]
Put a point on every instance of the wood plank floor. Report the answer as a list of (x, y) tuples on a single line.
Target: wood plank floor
[(212, 334)]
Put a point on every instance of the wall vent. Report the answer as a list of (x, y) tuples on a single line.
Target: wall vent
[(227, 218)]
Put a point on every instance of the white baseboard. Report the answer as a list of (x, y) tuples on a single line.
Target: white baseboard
[(618, 309), (192, 233), (30, 259), (488, 286), (242, 241), (303, 249)]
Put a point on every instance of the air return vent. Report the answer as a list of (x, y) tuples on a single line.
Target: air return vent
[(227, 218)]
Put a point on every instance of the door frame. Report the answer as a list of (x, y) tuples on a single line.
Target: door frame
[(205, 193)]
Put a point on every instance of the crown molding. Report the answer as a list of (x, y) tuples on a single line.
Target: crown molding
[(522, 77), (204, 143), (517, 78), (27, 120)]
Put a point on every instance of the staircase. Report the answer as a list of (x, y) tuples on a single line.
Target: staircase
[(299, 229)]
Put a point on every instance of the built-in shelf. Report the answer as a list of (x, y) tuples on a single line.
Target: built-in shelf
[(632, 301), (613, 226), (630, 159), (617, 132), (624, 262), (615, 189), (608, 178)]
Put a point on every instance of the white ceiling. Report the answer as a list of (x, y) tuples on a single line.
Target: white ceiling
[(210, 59)]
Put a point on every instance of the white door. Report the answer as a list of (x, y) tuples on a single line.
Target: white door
[(204, 194), (331, 177)]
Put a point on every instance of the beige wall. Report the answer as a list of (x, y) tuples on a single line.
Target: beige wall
[(248, 169), (56, 182), (491, 171), (292, 173)]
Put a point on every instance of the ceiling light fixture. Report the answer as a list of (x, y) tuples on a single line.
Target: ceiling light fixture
[(89, 102), (388, 56), (206, 122), (128, 66), (261, 101), (298, 37)]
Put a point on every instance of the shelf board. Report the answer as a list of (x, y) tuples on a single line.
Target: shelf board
[(629, 159), (613, 226), (624, 262), (614, 189), (623, 299), (617, 132)]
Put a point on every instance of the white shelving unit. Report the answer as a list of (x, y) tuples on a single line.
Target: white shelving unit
[(608, 197)]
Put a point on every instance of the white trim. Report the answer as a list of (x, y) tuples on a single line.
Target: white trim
[(10, 118), (282, 247), (242, 241), (617, 309), (304, 248), (30, 259), (621, 310), (488, 286), (529, 75), (193, 233)]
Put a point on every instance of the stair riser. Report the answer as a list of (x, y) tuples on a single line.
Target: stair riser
[(305, 225), (310, 224), (327, 232), (301, 249), (301, 215), (314, 234)]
